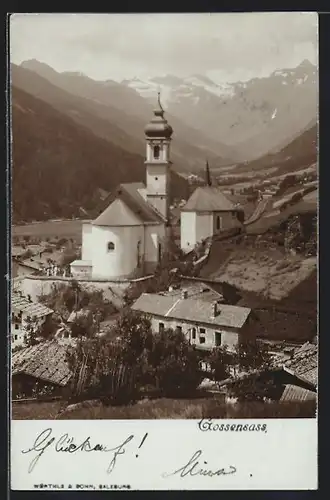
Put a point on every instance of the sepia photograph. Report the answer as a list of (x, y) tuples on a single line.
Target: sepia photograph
[(164, 226)]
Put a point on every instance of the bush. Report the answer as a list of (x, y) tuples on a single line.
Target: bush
[(220, 361), (175, 363), (165, 361)]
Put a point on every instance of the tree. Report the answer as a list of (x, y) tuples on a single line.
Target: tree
[(69, 255), (174, 363), (220, 361), (99, 372), (252, 355), (255, 382), (135, 357)]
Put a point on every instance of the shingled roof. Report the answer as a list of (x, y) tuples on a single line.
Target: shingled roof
[(304, 362), (45, 361), (130, 195), (208, 199), (191, 310), (20, 303)]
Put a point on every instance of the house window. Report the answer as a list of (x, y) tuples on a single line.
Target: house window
[(178, 329), (193, 333), (217, 338), (201, 339), (110, 246), (161, 327), (202, 331), (156, 178), (218, 223), (159, 252), (15, 337), (16, 326), (156, 152)]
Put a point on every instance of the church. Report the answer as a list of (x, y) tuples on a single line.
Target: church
[(128, 238)]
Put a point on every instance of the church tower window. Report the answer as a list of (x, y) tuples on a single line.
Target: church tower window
[(110, 246), (156, 152)]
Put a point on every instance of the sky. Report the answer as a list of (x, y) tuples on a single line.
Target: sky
[(226, 47)]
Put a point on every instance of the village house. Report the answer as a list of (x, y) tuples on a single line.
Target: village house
[(24, 310), (205, 324), (40, 369), (25, 267)]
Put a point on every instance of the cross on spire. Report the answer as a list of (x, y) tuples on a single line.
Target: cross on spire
[(159, 103)]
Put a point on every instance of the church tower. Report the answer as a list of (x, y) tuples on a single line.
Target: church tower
[(158, 138)]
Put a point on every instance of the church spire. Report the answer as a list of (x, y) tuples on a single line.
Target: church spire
[(208, 175)]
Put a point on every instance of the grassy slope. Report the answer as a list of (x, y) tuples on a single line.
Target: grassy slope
[(164, 408)]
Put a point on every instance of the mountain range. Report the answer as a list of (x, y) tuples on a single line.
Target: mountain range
[(251, 117), (73, 135), (121, 107)]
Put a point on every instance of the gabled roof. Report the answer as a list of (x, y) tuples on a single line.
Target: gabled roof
[(118, 214), (191, 310), (21, 303), (45, 361), (208, 199), (130, 196)]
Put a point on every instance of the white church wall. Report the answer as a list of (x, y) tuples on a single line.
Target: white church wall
[(87, 242), (204, 226), (121, 260), (154, 235), (188, 230)]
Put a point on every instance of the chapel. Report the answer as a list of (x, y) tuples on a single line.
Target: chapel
[(128, 238), (208, 212)]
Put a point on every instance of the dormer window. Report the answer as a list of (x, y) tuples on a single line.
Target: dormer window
[(110, 246), (156, 152)]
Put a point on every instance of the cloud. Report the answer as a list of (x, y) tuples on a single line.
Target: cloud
[(119, 45)]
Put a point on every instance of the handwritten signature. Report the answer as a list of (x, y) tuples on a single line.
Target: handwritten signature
[(66, 444), (194, 468)]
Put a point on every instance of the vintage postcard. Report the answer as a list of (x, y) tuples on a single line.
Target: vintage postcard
[(164, 247)]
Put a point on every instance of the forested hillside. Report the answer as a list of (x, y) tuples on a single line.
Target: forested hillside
[(58, 164)]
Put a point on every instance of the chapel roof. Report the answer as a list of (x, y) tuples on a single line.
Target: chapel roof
[(133, 209), (208, 199)]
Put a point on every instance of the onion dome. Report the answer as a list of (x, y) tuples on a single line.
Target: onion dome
[(158, 126)]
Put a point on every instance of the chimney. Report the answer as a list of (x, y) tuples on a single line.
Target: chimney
[(215, 310), (184, 294)]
